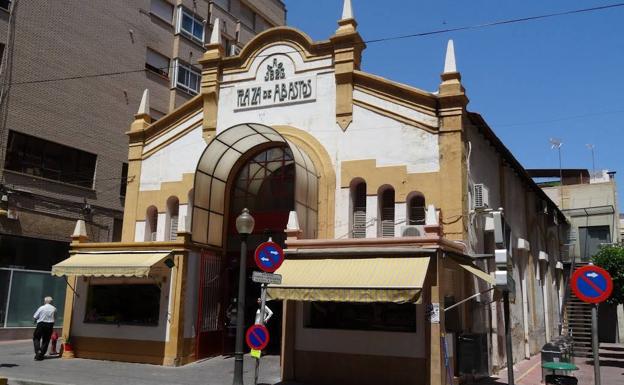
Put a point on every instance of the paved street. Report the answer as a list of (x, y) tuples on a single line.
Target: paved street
[(528, 372), (16, 363)]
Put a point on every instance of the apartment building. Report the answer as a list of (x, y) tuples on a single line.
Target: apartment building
[(72, 74)]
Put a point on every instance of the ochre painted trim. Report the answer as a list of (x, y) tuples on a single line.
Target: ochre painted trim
[(168, 121), (401, 102), (111, 349), (174, 348), (403, 182), (395, 116), (396, 91), (158, 198), (361, 369), (308, 49), (172, 139), (327, 176)]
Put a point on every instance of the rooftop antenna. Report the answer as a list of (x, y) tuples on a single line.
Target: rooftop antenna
[(556, 143), (591, 148)]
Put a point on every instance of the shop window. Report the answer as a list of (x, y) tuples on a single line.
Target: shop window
[(416, 209), (190, 25), (173, 205), (187, 77), (124, 180), (358, 209), (157, 63), (377, 316), (386, 212), (162, 9), (137, 304), (39, 157), (151, 223)]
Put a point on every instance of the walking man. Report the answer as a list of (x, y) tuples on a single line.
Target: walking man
[(44, 316)]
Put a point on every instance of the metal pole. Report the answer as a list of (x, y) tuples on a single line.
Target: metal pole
[(595, 344), (240, 314), (262, 309), (508, 342)]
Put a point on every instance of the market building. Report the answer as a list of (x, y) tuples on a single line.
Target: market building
[(382, 194)]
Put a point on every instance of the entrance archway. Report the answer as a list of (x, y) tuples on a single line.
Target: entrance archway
[(252, 166)]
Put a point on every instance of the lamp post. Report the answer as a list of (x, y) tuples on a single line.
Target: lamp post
[(244, 226)]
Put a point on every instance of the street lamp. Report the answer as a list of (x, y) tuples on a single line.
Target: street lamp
[(244, 226)]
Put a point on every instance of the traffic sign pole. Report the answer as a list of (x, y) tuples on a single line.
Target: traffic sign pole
[(262, 310), (592, 284), (595, 346)]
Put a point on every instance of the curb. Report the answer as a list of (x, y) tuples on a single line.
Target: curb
[(21, 381)]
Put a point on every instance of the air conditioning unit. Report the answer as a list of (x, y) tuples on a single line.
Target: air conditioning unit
[(412, 231), (481, 196)]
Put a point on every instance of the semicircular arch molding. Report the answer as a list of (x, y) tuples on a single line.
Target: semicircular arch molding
[(220, 161)]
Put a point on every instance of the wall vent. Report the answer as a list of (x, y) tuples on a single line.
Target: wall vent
[(481, 196)]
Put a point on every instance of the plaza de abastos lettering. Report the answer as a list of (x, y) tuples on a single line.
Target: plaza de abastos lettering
[(275, 89)]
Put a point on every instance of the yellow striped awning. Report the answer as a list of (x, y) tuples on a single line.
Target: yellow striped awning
[(398, 280), (118, 264), (474, 270)]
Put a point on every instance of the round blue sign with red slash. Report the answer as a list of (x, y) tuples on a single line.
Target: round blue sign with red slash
[(257, 337), (591, 284), (269, 256)]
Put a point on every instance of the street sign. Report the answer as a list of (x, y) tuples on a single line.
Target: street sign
[(257, 337), (262, 277), (591, 284), (269, 256)]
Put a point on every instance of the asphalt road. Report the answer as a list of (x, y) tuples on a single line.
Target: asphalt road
[(17, 364)]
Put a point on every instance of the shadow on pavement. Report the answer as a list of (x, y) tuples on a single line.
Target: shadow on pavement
[(8, 365)]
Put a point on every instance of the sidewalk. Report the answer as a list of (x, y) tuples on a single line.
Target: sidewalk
[(528, 372), (17, 364)]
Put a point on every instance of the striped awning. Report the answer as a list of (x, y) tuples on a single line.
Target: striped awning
[(115, 264), (474, 270), (398, 280)]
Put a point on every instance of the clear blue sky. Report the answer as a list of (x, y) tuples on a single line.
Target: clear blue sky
[(557, 77)]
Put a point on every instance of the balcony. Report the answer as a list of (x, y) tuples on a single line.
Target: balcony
[(273, 11)]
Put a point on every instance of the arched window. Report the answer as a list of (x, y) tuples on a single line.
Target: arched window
[(416, 209), (151, 223), (171, 221), (386, 212), (357, 210)]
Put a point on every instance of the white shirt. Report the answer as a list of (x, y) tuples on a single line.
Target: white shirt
[(45, 313), (267, 315)]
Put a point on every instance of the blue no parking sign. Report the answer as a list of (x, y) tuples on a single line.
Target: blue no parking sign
[(269, 256), (591, 284)]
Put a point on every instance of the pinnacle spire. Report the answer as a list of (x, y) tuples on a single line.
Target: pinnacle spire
[(215, 36), (144, 108), (449, 63), (347, 10)]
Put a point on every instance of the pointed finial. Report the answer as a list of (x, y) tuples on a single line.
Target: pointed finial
[(449, 63), (293, 221), (80, 231), (144, 106), (215, 36), (347, 10)]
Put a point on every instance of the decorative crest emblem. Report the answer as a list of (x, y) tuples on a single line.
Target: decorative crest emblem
[(275, 71)]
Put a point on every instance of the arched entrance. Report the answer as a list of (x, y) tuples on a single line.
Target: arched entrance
[(252, 166)]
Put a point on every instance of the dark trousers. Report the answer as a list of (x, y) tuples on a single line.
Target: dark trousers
[(41, 337)]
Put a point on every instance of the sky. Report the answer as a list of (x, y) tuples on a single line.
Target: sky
[(559, 77)]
